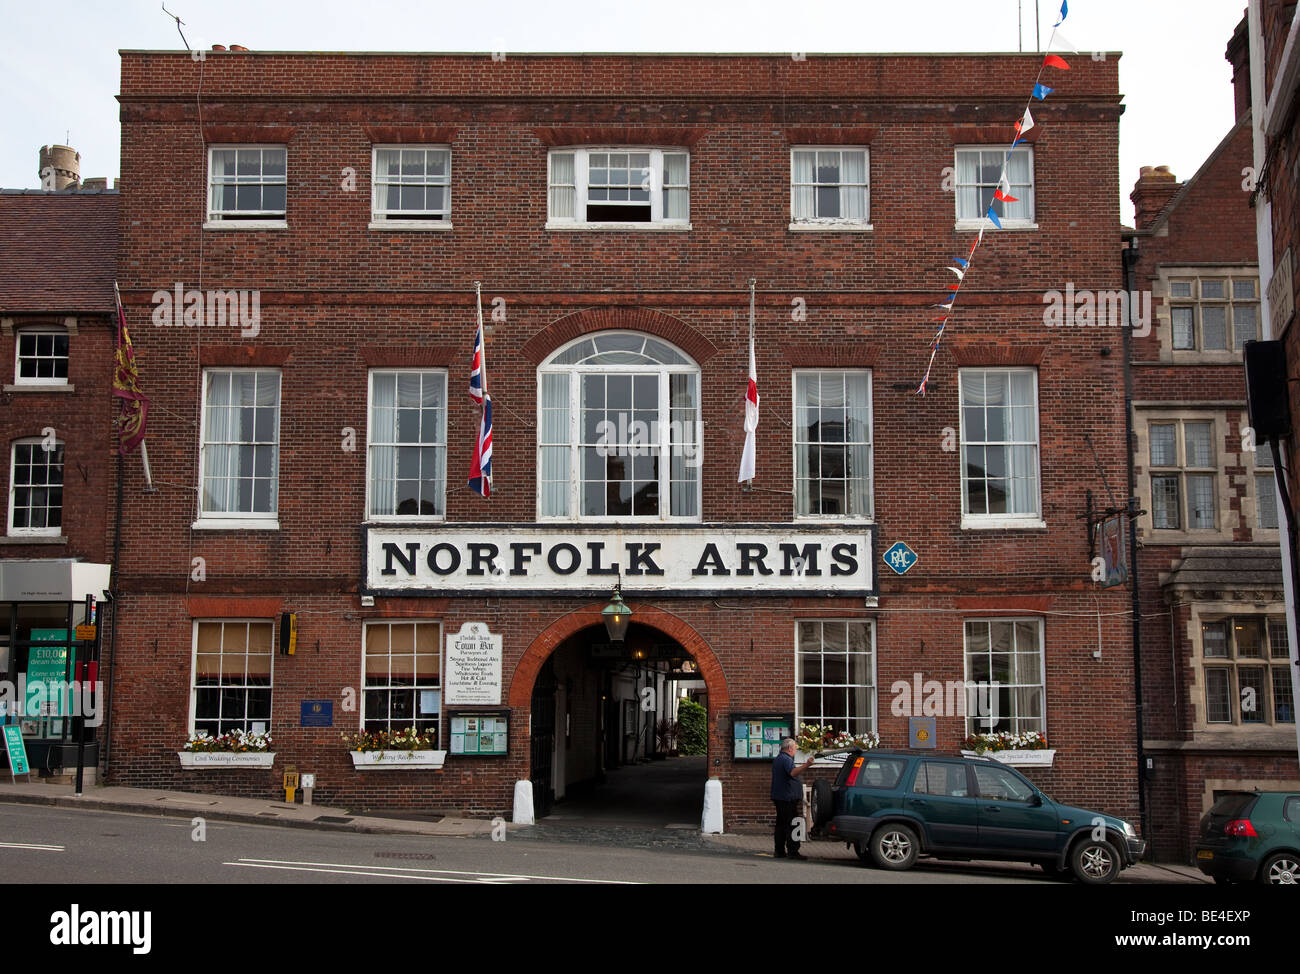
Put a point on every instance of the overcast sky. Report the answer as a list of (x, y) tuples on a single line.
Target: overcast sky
[(60, 69)]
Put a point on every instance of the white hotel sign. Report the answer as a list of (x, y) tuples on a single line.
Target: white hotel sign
[(569, 559)]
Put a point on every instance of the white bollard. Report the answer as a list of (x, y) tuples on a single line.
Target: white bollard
[(523, 803), (712, 822)]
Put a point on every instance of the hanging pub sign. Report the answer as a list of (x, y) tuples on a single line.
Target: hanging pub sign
[(1114, 553), (571, 559), (473, 667)]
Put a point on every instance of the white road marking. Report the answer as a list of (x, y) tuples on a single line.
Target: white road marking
[(40, 847), (413, 872)]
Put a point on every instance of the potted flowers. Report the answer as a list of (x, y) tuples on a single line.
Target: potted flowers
[(813, 738), (1026, 750), (407, 748), (235, 749)]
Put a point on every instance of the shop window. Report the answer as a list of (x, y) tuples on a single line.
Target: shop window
[(1183, 474), (1006, 655), (829, 186), (835, 675), (41, 357), (999, 445), (411, 183), (619, 431), (247, 185), (36, 488), (231, 688), (239, 464), (1247, 671), (981, 171), (407, 444), (402, 668), (832, 444), (591, 187)]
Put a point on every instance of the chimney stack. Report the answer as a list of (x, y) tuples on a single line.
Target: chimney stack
[(1155, 187), (60, 167)]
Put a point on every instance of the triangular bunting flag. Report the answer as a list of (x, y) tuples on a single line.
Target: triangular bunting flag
[(1025, 123), (1060, 42), (1055, 61), (999, 195), (1065, 9), (958, 271), (958, 260), (1042, 91), (992, 215)]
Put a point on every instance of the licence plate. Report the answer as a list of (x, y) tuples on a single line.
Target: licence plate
[(1204, 854)]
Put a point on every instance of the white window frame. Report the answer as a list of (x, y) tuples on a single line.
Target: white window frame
[(982, 221), (194, 665), (441, 687), (867, 515), (831, 223), (382, 219), (992, 521), (248, 520), (15, 532), (972, 721), (228, 219), (575, 373), (56, 330), (581, 168), (1182, 469), (371, 445), (800, 718)]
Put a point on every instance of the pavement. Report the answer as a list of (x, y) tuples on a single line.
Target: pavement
[(569, 824)]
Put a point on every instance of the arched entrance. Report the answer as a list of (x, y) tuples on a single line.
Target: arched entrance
[(603, 740)]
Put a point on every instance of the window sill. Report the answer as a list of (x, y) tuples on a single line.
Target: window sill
[(434, 225), (651, 227), (40, 387), (978, 523), (987, 224), (32, 539), (246, 225), (236, 524), (398, 520), (832, 227)]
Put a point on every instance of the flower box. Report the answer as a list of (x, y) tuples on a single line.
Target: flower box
[(826, 761), (1041, 758), (370, 760), (226, 759)]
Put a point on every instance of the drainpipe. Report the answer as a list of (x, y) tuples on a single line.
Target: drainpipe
[(1130, 258), (112, 632)]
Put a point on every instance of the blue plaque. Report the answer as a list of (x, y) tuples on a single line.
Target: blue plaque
[(317, 713)]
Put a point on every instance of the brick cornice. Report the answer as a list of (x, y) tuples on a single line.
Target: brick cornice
[(828, 354), (665, 135), (410, 134), (392, 356), (830, 134), (220, 133), (232, 607), (244, 355), (646, 320), (971, 353)]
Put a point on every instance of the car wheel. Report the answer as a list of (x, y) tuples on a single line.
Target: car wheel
[(823, 803), (1282, 869), (1095, 862), (894, 846)]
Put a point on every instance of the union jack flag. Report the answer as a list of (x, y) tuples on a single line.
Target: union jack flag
[(480, 470)]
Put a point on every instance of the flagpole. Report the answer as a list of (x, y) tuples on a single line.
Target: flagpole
[(148, 477), (482, 365)]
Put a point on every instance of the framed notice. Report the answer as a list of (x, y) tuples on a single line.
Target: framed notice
[(480, 734), (758, 737)]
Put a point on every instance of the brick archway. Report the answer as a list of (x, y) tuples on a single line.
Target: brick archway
[(648, 320), (549, 639)]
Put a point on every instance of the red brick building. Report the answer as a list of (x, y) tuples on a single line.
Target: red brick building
[(58, 252), (313, 458)]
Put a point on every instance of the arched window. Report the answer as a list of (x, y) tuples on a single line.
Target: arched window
[(618, 431)]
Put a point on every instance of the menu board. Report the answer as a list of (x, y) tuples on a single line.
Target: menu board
[(758, 737), (473, 667), (480, 734)]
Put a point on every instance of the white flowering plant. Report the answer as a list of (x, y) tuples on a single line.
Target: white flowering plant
[(823, 737), (1005, 741), (236, 741)]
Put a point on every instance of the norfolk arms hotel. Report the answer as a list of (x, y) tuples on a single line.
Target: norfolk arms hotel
[(310, 454)]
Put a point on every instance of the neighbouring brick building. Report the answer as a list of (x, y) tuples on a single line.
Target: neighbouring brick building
[(313, 459), (58, 251)]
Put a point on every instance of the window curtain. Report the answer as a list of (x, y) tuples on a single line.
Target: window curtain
[(562, 186), (220, 460), (676, 193), (383, 434), (803, 193), (684, 460), (1021, 188), (554, 440), (857, 434), (968, 194), (853, 198)]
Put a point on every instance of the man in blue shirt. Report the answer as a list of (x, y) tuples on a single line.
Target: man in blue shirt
[(786, 795)]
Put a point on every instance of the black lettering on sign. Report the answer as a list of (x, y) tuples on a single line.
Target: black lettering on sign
[(638, 558), (479, 553), (521, 559), (846, 562), (433, 558), (574, 559), (391, 551), (805, 556), (597, 548), (752, 552), (713, 557)]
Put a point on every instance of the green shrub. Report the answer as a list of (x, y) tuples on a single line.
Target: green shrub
[(694, 722)]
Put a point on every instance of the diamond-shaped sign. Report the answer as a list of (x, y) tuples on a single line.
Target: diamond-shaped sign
[(900, 557)]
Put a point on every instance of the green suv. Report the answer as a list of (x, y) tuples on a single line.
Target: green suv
[(1251, 835), (894, 806)]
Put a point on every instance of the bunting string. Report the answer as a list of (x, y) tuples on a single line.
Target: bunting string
[(1002, 192)]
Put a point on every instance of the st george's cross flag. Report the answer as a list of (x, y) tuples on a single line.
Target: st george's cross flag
[(480, 470), (751, 405)]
